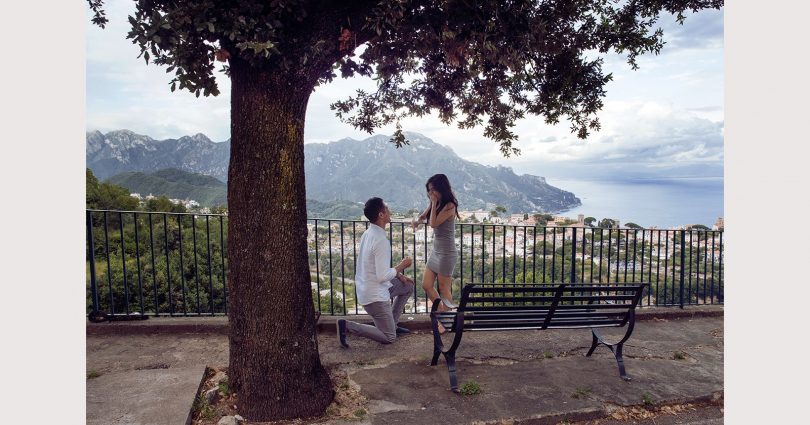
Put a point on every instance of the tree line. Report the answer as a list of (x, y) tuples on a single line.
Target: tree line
[(152, 256)]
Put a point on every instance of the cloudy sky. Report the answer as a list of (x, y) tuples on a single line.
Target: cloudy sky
[(664, 120)]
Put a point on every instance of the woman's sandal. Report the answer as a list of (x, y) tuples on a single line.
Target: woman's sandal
[(445, 305), (449, 304)]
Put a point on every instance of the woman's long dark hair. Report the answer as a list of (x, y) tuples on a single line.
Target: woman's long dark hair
[(442, 185)]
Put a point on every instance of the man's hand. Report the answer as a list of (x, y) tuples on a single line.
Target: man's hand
[(415, 224), (404, 264), (406, 279)]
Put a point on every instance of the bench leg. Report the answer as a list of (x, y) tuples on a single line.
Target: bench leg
[(450, 358), (595, 342), (618, 353), (438, 346), (436, 353), (616, 349)]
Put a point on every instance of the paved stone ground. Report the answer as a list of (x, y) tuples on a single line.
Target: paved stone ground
[(524, 376)]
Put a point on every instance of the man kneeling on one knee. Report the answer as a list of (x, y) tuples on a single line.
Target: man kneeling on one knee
[(376, 282)]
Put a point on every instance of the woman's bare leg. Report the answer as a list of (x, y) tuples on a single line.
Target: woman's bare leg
[(446, 288), (427, 284)]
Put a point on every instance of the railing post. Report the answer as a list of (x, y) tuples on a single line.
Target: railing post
[(92, 257), (683, 252), (460, 254), (574, 254)]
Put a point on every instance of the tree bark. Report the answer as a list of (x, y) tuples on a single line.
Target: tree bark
[(274, 366)]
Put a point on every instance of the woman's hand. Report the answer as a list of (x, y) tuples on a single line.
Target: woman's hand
[(434, 197)]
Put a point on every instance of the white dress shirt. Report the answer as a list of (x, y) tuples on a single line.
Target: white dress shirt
[(374, 273)]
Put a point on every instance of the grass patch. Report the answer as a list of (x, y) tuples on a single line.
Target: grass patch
[(202, 409), (93, 374), (581, 393), (548, 355), (647, 399), (679, 355), (360, 413), (470, 388), (223, 388)]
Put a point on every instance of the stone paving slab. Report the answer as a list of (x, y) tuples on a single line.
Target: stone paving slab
[(143, 397)]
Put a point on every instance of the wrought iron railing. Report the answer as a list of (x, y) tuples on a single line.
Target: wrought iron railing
[(156, 263)]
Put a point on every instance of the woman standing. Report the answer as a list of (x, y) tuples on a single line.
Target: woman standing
[(441, 216)]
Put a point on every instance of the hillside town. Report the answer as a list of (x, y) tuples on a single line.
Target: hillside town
[(190, 204)]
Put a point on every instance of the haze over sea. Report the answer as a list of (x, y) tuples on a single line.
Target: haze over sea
[(665, 203)]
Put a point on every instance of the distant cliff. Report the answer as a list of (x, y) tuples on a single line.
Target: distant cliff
[(358, 169), (345, 172)]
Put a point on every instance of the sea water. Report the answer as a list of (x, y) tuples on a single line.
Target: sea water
[(665, 203)]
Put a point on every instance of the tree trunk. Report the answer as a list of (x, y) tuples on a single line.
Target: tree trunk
[(274, 366)]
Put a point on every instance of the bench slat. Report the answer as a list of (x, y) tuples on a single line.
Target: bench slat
[(488, 288), (540, 314), (542, 307), (552, 325), (556, 323), (542, 299)]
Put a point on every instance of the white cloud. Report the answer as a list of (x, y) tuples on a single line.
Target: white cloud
[(648, 136)]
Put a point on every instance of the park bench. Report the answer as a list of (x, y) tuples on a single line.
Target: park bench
[(525, 306)]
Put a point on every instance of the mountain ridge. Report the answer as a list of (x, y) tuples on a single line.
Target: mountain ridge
[(347, 170)]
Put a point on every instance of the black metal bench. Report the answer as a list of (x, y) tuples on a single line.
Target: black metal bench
[(497, 307)]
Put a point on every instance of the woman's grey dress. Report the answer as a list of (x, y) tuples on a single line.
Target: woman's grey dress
[(443, 258)]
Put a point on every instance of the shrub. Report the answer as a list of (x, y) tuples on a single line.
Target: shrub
[(470, 388)]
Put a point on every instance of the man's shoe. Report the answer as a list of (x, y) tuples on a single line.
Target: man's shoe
[(341, 332), (402, 331)]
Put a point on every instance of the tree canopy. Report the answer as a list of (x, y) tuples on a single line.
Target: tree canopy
[(607, 223), (107, 196), (474, 63)]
